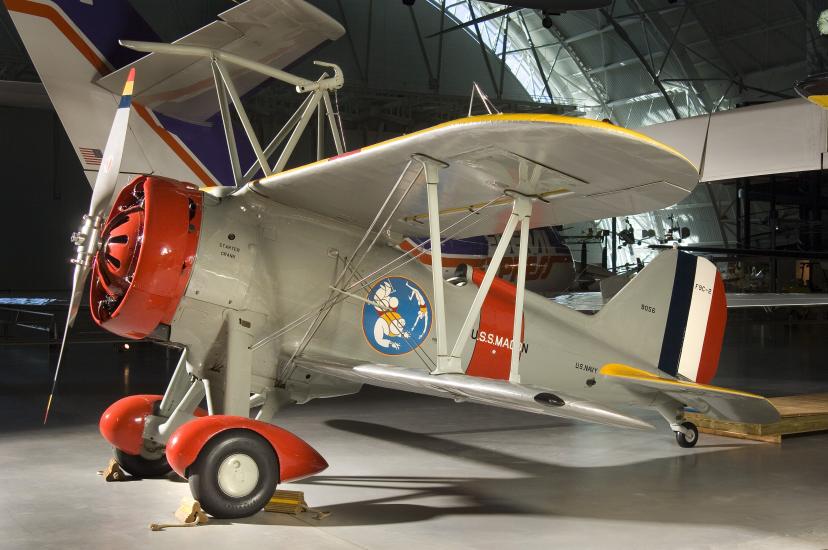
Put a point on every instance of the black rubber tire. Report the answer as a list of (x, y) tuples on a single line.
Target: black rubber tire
[(682, 439), (138, 466), (203, 474)]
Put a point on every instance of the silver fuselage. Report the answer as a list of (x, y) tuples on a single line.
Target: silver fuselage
[(272, 264)]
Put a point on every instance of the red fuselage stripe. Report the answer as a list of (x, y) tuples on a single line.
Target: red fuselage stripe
[(492, 355)]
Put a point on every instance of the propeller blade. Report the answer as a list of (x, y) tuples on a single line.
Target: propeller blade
[(86, 240), (81, 272), (113, 152), (54, 381), (79, 276), (481, 19)]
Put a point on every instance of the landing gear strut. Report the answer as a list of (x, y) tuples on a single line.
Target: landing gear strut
[(687, 434)]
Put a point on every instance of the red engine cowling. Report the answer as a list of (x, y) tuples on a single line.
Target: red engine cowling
[(148, 249)]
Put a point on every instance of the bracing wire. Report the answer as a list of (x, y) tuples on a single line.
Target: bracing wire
[(397, 263)]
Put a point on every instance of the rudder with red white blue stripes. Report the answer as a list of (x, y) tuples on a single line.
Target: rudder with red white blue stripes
[(671, 316), (696, 321)]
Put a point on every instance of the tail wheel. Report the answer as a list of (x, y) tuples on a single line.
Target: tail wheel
[(139, 466), (234, 475), (688, 440)]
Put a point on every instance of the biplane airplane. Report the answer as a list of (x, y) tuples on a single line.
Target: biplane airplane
[(283, 286)]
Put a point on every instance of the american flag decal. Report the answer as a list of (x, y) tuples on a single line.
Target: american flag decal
[(91, 156)]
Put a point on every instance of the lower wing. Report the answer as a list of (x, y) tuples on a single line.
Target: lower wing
[(499, 393)]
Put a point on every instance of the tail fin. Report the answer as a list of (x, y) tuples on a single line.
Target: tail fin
[(672, 315)]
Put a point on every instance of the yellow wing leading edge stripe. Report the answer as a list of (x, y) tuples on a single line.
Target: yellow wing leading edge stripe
[(616, 370), (540, 118)]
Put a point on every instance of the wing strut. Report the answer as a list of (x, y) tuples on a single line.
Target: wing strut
[(521, 213), (451, 363), (432, 167), (522, 209), (318, 101)]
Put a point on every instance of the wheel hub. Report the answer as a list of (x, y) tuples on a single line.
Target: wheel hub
[(238, 475)]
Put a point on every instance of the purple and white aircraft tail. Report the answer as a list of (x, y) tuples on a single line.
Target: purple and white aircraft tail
[(177, 131)]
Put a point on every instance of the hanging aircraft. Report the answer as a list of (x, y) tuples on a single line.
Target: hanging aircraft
[(291, 285), (547, 8)]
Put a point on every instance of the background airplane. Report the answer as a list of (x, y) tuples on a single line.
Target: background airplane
[(546, 7), (550, 269)]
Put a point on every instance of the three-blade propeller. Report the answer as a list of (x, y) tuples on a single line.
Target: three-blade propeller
[(87, 239)]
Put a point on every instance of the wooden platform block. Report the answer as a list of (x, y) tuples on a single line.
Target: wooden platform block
[(800, 414)]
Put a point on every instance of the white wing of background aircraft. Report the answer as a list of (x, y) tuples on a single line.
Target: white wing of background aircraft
[(594, 301)]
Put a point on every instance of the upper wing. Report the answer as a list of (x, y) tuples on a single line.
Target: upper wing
[(720, 403), (581, 169), (273, 32), (499, 393)]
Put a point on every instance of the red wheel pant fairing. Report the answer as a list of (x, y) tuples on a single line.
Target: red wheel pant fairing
[(297, 459)]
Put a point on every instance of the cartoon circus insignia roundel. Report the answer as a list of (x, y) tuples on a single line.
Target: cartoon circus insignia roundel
[(399, 319)]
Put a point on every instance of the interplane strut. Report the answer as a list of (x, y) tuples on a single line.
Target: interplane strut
[(451, 363)]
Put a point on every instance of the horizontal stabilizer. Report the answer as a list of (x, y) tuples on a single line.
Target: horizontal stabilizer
[(718, 403), (499, 393)]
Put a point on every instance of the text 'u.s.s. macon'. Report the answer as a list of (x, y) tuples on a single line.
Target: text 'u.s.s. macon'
[(496, 340)]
